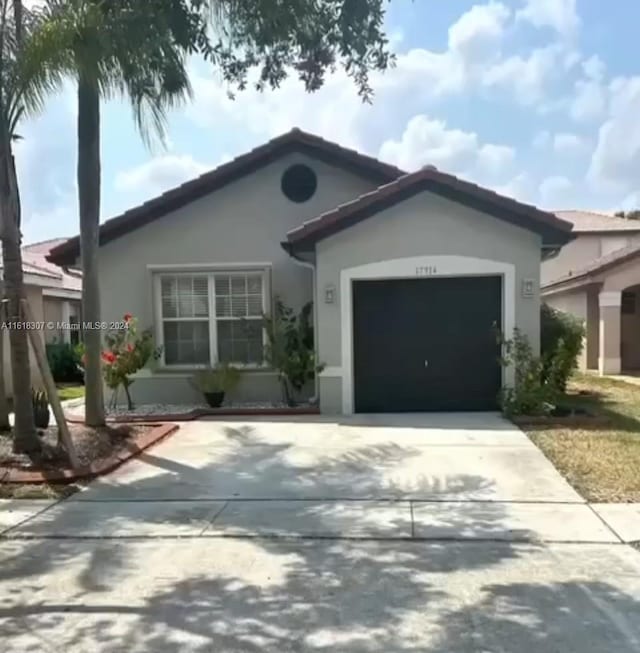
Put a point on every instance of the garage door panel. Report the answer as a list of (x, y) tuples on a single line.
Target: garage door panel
[(426, 344)]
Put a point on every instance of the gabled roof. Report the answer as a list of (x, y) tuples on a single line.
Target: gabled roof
[(36, 255), (596, 267), (553, 230), (594, 222), (295, 140)]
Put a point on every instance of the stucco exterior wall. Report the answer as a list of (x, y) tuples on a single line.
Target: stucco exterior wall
[(581, 251), (575, 303), (425, 225), (52, 311), (245, 222)]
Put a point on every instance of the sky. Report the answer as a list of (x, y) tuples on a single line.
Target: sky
[(536, 99)]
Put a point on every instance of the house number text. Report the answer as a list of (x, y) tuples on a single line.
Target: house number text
[(426, 270)]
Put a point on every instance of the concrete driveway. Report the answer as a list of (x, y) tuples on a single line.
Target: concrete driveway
[(404, 533)]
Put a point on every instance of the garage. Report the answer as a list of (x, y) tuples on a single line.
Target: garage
[(426, 344)]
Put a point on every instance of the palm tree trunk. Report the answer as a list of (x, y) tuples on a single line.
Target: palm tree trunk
[(25, 439), (89, 199)]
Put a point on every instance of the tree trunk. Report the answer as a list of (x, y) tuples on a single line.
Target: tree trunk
[(25, 438), (89, 200)]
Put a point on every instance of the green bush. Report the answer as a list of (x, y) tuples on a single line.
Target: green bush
[(290, 348), (561, 341), (221, 378), (530, 394), (64, 361)]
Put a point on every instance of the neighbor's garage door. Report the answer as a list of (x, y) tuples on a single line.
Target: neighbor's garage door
[(426, 344)]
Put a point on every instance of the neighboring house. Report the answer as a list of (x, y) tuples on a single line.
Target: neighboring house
[(596, 277), (54, 297), (409, 274), (61, 300)]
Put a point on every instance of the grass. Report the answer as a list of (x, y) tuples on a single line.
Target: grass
[(36, 491), (70, 392), (602, 461)]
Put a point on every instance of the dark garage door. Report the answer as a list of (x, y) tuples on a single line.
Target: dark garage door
[(426, 344)]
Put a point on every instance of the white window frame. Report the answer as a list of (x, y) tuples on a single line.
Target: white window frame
[(210, 271)]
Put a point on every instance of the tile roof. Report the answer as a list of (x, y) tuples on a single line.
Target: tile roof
[(593, 222), (295, 140), (599, 265), (555, 231), (34, 257)]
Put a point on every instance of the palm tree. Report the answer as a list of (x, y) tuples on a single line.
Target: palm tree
[(21, 92), (123, 48)]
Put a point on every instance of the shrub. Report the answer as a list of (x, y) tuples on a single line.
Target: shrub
[(222, 378), (290, 348), (530, 394), (561, 341), (126, 352), (64, 361)]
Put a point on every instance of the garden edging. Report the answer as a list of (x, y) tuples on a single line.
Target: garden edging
[(99, 468), (198, 413)]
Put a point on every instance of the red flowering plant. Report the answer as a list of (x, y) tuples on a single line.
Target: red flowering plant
[(126, 351)]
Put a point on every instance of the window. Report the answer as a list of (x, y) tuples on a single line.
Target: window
[(75, 333), (299, 183), (239, 308), (210, 317)]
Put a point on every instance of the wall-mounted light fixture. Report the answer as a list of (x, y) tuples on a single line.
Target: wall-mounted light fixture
[(329, 294)]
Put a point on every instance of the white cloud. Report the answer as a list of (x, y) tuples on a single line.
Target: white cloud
[(616, 159), (520, 187), (528, 76), (476, 32), (555, 190), (559, 15), (568, 143), (427, 141), (590, 93), (159, 174)]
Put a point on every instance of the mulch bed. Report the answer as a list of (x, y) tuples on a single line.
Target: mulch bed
[(100, 450)]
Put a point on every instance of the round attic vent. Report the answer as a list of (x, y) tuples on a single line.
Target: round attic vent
[(299, 183)]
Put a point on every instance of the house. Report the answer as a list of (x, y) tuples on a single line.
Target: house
[(61, 299), (410, 274), (596, 277), (54, 296)]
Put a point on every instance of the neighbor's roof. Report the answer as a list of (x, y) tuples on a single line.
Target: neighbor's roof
[(594, 222), (596, 267), (34, 257), (29, 268), (553, 230), (295, 140)]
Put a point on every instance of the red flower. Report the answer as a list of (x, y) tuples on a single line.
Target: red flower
[(108, 357), (127, 317), (129, 347)]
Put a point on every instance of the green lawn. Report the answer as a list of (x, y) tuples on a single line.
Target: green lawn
[(70, 392), (601, 461)]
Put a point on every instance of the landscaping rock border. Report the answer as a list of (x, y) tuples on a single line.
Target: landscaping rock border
[(99, 468), (197, 413)]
